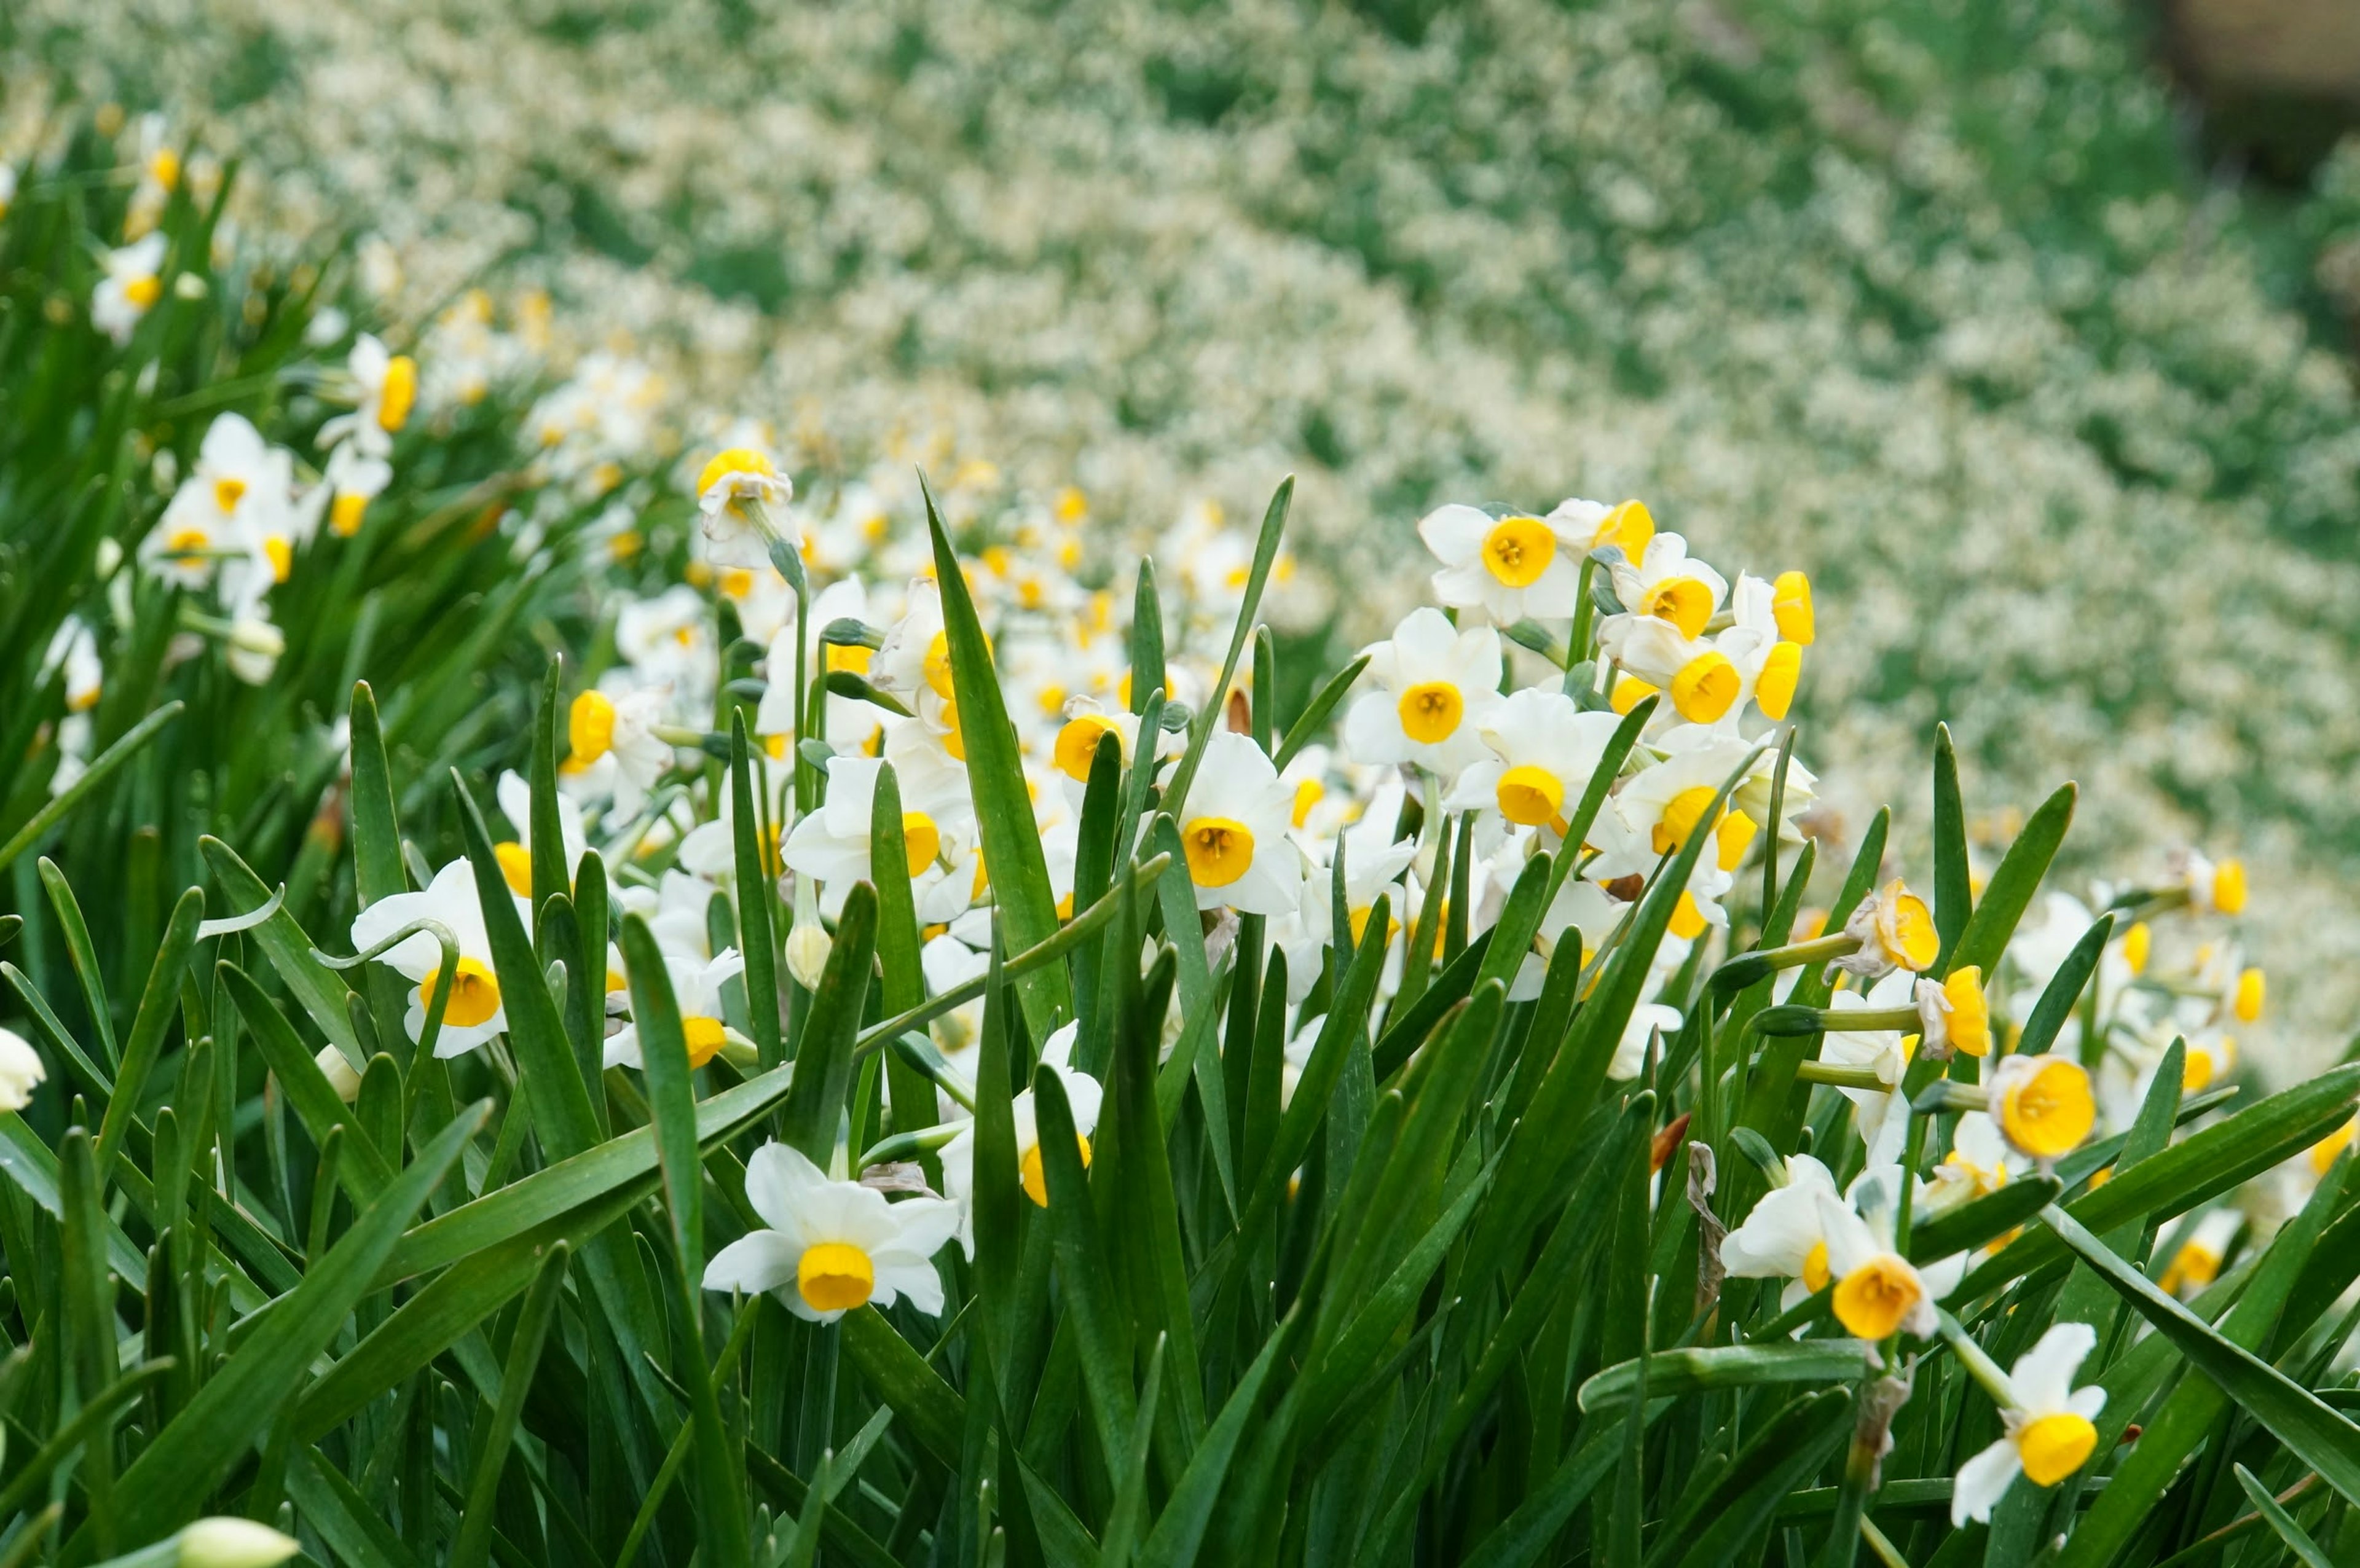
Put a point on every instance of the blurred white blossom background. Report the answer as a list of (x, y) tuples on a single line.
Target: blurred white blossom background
[(1933, 301)]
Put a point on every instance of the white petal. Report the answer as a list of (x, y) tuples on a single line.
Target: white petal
[(2043, 1376), (758, 1261), (1983, 1481)]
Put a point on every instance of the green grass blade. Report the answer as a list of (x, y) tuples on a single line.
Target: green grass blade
[(1953, 894), (164, 1486), (2316, 1435), (2298, 1540), (473, 1546), (377, 834), (1003, 806), (2012, 886), (322, 994), (755, 881), (824, 1053), (159, 1009), (1200, 729), (102, 768)]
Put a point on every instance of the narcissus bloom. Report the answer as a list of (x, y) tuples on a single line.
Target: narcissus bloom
[(385, 385), (1438, 688), (613, 747), (831, 1246), (1878, 1292), (1234, 832), (474, 1013), (1785, 1236), (1896, 930), (833, 843), (129, 288), (733, 477), (1953, 1014), (2043, 1104), (1544, 751), (1084, 1096), (2049, 1424), (696, 990), (1511, 567), (1668, 584)]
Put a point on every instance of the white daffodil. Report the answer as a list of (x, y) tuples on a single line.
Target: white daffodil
[(852, 724), (1773, 663), (613, 748), (734, 477), (475, 1012), (1544, 751), (1880, 1114), (2043, 1104), (1706, 680), (832, 843), (385, 387), (1083, 1096), (710, 848), (677, 910), (1656, 810), (2213, 887), (129, 288), (696, 989), (1373, 863), (352, 480), (1438, 691), (74, 652), (1667, 584), (1785, 1235), (2049, 1430), (253, 647), (1234, 835), (236, 507), (1979, 1164), (831, 1246), (1512, 568), (1586, 526), (1087, 722), (21, 1068), (1896, 930), (1953, 1014), (2196, 1262), (1878, 1292), (515, 796)]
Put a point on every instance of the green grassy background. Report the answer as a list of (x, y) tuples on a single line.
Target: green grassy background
[(1944, 303)]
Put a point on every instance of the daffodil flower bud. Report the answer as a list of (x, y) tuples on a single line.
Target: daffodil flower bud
[(232, 1543), (340, 1074)]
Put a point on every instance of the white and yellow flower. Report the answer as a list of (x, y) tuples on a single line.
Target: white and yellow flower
[(1234, 832), (614, 751), (384, 387), (1979, 1164), (1083, 1097), (1896, 930), (1785, 1235), (2196, 1262), (832, 843), (2049, 1424), (1953, 1014), (731, 479), (1438, 687), (830, 1246), (231, 516), (2044, 1105), (2214, 887), (1544, 751), (514, 794), (1665, 584), (475, 1012), (1879, 1293), (696, 984), (1511, 567), (130, 286)]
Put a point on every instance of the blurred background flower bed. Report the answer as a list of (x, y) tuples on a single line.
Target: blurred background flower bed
[(1954, 303)]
